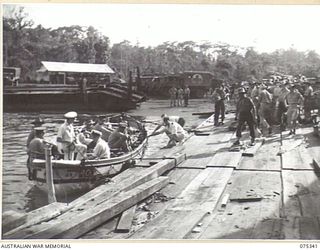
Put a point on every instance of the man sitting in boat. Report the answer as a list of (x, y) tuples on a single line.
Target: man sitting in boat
[(119, 139), (37, 123), (104, 128), (181, 121), (36, 148), (101, 149), (84, 136), (66, 139), (173, 130)]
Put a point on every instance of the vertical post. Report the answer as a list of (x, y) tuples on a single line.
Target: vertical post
[(49, 176), (130, 85), (84, 91)]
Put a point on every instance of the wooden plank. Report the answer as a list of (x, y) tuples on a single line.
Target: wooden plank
[(87, 220), (198, 199), (34, 217), (251, 151), (225, 159), (225, 200), (179, 180), (125, 220), (247, 220), (266, 158), (301, 193), (122, 182), (170, 224), (301, 228), (297, 158)]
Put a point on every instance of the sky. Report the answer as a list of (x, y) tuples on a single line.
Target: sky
[(264, 27)]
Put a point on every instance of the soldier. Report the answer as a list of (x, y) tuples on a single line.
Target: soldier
[(173, 96), (293, 101), (265, 111), (308, 93), (219, 107), (246, 112)]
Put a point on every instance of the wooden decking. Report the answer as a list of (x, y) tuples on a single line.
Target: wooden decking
[(270, 191)]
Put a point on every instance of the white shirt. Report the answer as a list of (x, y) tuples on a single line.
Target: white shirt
[(174, 128), (101, 150), (66, 133)]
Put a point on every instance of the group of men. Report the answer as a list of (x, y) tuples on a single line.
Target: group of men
[(265, 106), (99, 138), (179, 96)]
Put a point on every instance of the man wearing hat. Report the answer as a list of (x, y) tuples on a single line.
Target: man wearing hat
[(84, 136), (36, 148), (282, 109), (119, 138), (218, 97), (308, 93), (66, 139), (173, 130), (246, 112), (265, 110), (293, 101), (101, 149), (103, 128), (37, 123)]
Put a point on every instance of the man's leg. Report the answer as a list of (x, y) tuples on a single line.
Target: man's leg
[(216, 113), (241, 121), (223, 110)]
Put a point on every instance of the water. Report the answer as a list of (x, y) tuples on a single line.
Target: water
[(20, 194)]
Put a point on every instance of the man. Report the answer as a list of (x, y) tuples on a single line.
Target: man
[(173, 130), (37, 123), (85, 134), (173, 96), (265, 100), (103, 128), (219, 107), (119, 138), (181, 121), (282, 109), (308, 93), (101, 149), (66, 139), (246, 112), (293, 101), (255, 93), (186, 95), (180, 96), (35, 148)]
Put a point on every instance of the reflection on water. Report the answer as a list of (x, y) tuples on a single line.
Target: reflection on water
[(18, 193)]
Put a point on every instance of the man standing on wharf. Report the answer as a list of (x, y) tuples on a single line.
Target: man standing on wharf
[(219, 107), (246, 112), (67, 140)]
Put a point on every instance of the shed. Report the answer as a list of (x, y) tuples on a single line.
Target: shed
[(59, 70)]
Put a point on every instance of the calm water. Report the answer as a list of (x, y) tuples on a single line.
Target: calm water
[(20, 194)]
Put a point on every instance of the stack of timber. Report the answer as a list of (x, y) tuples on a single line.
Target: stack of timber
[(97, 206)]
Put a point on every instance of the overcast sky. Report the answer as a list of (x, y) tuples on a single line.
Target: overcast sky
[(266, 28)]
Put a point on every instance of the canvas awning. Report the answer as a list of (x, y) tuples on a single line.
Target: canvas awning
[(76, 67)]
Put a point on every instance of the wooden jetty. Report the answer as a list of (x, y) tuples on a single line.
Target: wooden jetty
[(198, 190)]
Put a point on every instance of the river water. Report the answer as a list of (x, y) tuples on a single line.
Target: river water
[(18, 193)]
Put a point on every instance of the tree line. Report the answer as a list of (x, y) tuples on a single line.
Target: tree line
[(25, 45)]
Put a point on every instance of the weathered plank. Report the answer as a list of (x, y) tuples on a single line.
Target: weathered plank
[(265, 158), (198, 199), (247, 220), (225, 159), (304, 228), (251, 151), (87, 220), (297, 158), (179, 179), (122, 182), (34, 217), (125, 220), (301, 193)]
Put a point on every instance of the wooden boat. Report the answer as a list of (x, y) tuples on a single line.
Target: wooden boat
[(71, 177)]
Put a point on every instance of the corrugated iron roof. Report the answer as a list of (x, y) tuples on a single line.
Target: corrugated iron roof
[(77, 67)]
